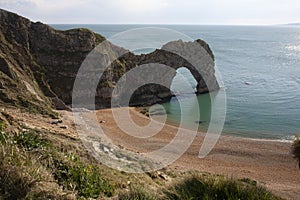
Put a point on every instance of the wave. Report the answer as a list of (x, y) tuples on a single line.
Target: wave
[(293, 47)]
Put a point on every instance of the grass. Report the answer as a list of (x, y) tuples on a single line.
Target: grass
[(27, 159), (207, 187), (30, 141), (137, 193), (197, 186), (3, 135), (19, 173), (74, 175), (31, 159)]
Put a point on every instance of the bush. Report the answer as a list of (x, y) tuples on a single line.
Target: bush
[(30, 141), (296, 149), (215, 187), (87, 180)]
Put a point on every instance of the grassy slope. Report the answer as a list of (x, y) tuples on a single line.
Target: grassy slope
[(45, 165)]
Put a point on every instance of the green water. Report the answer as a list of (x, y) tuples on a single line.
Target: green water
[(186, 109)]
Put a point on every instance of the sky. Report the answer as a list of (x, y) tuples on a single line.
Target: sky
[(214, 12)]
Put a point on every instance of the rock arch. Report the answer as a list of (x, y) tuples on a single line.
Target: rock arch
[(201, 68)]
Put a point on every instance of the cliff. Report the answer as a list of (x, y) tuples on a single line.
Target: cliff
[(38, 63), (38, 66)]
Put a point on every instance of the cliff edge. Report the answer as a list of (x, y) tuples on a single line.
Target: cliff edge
[(38, 63), (38, 66)]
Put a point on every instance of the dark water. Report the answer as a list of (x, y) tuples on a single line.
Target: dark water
[(260, 67)]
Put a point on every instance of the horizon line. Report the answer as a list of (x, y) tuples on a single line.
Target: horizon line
[(174, 24)]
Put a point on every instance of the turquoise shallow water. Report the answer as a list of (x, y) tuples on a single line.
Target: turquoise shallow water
[(260, 67)]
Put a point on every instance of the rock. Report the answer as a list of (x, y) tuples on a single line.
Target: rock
[(64, 127), (59, 104), (57, 121), (38, 64), (102, 121), (18, 84), (105, 149), (47, 60), (26, 125), (23, 124), (200, 122), (163, 176)]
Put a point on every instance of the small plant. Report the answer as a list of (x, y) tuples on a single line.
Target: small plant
[(137, 194), (30, 141), (296, 149), (3, 135), (3, 138), (87, 180), (2, 126)]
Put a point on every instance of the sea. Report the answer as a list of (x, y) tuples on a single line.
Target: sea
[(259, 68)]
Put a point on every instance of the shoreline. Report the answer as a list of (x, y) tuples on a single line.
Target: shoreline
[(176, 125), (268, 162)]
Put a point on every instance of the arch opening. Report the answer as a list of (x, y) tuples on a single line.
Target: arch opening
[(183, 74)]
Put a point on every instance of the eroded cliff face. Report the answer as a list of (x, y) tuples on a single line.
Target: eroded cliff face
[(18, 86), (38, 66)]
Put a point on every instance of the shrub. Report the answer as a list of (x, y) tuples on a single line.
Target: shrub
[(87, 180), (30, 141), (296, 149), (215, 187)]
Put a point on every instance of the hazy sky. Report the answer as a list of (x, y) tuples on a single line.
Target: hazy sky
[(157, 11)]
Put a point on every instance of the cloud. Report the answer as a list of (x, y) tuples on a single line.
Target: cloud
[(139, 6), (157, 11), (17, 4)]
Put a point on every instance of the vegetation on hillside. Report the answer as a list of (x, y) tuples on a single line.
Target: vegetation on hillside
[(204, 186), (197, 186), (41, 165), (28, 161)]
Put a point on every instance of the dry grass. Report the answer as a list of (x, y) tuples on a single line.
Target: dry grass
[(45, 165)]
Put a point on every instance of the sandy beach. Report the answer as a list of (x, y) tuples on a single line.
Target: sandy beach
[(268, 162)]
